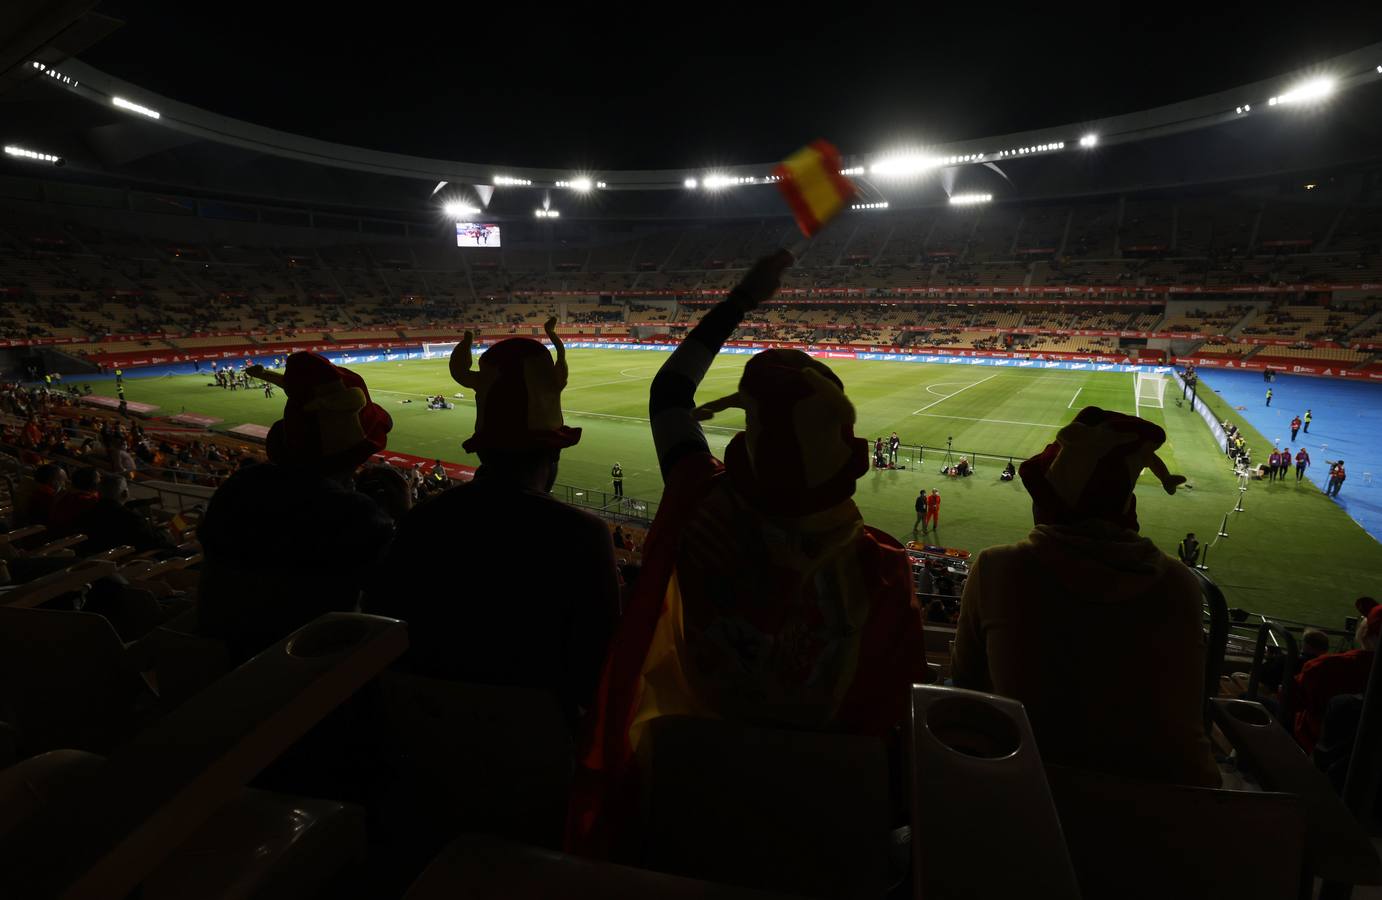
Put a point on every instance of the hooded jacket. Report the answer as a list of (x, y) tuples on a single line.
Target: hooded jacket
[(1098, 633)]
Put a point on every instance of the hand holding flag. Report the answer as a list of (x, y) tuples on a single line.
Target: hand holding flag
[(811, 182)]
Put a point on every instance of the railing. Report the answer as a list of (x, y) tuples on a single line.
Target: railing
[(183, 496), (918, 456), (607, 505)]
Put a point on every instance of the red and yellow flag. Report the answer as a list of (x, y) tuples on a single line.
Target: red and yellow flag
[(811, 182)]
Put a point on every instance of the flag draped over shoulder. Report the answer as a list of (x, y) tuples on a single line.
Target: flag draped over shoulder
[(811, 182)]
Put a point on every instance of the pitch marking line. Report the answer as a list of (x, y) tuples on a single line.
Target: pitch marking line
[(1071, 404), (989, 421), (960, 391)]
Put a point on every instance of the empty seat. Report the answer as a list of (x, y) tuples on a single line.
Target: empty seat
[(67, 681), (477, 758), (793, 811), (483, 868)]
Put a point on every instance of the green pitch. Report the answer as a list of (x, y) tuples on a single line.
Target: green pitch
[(1291, 553)]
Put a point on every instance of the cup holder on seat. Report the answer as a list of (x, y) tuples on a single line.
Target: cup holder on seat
[(973, 728), (327, 638), (1248, 712)]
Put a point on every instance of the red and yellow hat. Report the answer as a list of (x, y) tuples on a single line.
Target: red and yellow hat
[(797, 454), (1089, 472), (517, 394), (329, 420)]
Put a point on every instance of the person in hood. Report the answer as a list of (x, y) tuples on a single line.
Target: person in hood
[(763, 596), (1092, 627)]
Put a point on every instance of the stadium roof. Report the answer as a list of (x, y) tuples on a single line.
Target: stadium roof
[(108, 129)]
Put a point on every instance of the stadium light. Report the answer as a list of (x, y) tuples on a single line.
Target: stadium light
[(55, 74), (1306, 91), (904, 165), (969, 199), (22, 153), (879, 205), (458, 210), (547, 213), (506, 181), (135, 108), (1089, 140), (581, 184), (853, 170), (714, 182), (690, 184)]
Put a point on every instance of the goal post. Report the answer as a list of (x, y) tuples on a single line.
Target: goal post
[(430, 351), (1150, 390)]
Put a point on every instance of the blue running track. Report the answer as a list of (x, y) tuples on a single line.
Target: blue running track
[(1347, 425)]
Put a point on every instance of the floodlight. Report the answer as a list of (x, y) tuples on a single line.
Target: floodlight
[(458, 210), (689, 184), (135, 107), (903, 165), (581, 184), (23, 153), (1306, 91), (1089, 140), (969, 199)]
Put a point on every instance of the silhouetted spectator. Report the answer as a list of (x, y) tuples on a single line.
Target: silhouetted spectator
[(1332, 674), (110, 523), (760, 578), (290, 539), (76, 500), (387, 487), (1036, 616), (40, 495), (537, 616)]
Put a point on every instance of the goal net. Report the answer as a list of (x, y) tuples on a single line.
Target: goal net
[(1151, 390), (431, 351)]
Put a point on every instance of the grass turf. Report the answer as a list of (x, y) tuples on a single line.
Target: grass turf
[(1292, 553)]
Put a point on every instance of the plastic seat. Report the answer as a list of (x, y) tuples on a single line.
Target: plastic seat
[(104, 835), (799, 812), (261, 845), (485, 868), (1133, 840), (478, 758), (67, 681), (983, 821)]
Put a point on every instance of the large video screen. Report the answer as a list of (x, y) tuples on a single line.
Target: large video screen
[(473, 234)]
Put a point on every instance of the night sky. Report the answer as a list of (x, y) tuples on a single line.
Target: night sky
[(659, 86)]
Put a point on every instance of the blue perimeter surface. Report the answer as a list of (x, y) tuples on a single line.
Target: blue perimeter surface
[(1347, 425)]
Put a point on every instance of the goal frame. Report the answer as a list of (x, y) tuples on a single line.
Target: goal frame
[(1155, 401)]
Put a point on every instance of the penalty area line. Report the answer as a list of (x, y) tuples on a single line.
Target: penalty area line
[(957, 393)]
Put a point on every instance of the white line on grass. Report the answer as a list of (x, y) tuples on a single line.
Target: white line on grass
[(960, 391), (1071, 404), (988, 421)]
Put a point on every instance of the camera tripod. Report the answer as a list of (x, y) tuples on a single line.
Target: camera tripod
[(949, 459)]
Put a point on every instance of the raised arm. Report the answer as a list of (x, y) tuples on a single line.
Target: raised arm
[(672, 398)]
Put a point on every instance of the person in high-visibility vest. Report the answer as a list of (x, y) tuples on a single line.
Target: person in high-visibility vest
[(1307, 421), (616, 472), (1269, 396), (1189, 550)]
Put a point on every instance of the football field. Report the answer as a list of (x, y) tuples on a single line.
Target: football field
[(1292, 552)]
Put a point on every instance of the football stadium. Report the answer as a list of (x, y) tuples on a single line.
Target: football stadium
[(380, 524)]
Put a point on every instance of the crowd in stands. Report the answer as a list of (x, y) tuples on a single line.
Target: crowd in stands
[(758, 596)]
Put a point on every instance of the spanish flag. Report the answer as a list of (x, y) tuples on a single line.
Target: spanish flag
[(810, 179)]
